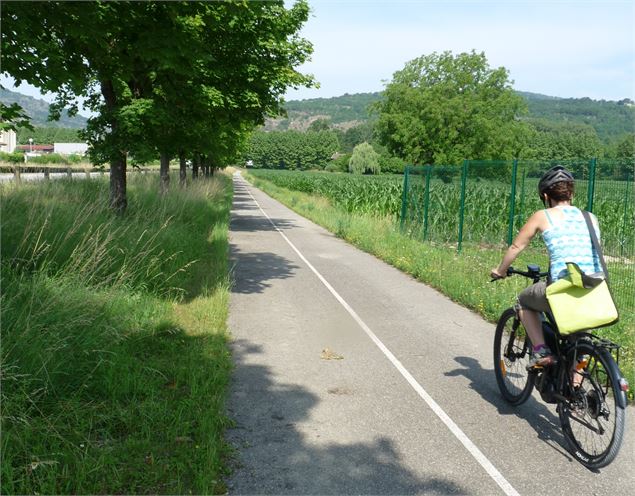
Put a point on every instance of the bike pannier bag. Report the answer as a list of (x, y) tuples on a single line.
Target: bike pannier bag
[(582, 301)]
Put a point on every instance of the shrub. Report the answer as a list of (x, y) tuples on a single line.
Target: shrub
[(340, 164), (50, 158), (364, 160), (391, 165), (14, 158)]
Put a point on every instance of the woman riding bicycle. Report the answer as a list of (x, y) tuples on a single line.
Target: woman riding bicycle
[(567, 238)]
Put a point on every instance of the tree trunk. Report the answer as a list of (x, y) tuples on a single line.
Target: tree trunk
[(196, 162), (165, 173), (182, 169), (118, 199)]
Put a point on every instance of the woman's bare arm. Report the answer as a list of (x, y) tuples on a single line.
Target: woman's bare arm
[(525, 235)]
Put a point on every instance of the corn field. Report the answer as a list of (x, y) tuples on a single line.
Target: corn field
[(380, 195)]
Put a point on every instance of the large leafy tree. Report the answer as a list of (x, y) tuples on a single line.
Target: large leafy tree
[(443, 108), (168, 76)]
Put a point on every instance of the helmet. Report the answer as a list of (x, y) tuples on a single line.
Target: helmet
[(552, 176)]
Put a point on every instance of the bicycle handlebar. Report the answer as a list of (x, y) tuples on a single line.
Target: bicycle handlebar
[(533, 272)]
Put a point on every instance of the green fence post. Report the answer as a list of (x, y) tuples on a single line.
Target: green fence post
[(591, 187), (462, 206), (624, 225), (426, 202), (512, 203), (404, 198)]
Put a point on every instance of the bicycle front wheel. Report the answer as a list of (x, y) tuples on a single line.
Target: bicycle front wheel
[(593, 418), (511, 356)]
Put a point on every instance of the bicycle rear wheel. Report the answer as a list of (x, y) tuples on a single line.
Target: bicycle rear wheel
[(511, 356), (593, 419)]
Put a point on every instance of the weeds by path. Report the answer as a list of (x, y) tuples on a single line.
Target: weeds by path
[(114, 346)]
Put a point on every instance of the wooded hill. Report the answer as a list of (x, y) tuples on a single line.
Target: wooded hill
[(38, 111), (610, 119)]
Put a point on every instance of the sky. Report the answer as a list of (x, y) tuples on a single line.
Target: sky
[(560, 48), (583, 48)]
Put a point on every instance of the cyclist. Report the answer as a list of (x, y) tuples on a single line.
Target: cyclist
[(567, 238)]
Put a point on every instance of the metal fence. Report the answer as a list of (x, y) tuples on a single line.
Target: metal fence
[(486, 202)]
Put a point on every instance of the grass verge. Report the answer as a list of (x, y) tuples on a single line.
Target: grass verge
[(463, 277), (114, 343)]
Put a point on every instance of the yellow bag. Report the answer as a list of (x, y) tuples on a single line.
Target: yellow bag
[(580, 301)]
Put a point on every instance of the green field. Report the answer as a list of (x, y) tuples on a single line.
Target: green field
[(114, 342)]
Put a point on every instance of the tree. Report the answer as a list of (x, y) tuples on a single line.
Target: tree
[(320, 125), (561, 141), (625, 149), (364, 160), (355, 135), (441, 109), (131, 62), (13, 118)]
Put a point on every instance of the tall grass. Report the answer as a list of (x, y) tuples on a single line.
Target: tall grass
[(114, 356), (463, 277)]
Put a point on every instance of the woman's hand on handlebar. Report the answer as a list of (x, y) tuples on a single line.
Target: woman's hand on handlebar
[(495, 274)]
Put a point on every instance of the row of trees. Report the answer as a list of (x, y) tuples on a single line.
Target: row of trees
[(293, 150), (177, 79)]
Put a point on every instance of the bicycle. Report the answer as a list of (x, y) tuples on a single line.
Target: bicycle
[(585, 382)]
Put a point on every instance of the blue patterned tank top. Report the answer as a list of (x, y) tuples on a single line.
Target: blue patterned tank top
[(569, 241)]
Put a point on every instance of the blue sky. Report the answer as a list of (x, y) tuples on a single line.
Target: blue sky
[(559, 48)]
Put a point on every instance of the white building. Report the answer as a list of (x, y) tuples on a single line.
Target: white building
[(8, 141), (70, 148)]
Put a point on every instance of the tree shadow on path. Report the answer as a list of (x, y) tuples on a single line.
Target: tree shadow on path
[(273, 455), (251, 271)]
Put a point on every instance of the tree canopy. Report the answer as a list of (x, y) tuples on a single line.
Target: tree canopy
[(168, 77), (442, 108)]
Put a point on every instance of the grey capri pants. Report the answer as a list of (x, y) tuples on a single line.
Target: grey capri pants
[(534, 297)]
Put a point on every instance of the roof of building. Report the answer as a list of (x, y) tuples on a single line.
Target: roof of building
[(35, 148)]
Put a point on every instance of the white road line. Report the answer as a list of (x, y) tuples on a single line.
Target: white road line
[(450, 424)]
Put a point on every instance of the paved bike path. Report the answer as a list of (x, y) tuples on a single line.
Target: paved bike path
[(321, 409)]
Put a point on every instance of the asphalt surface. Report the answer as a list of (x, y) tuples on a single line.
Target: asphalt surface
[(378, 385)]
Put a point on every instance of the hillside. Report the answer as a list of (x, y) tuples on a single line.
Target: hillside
[(343, 111), (610, 119), (38, 111)]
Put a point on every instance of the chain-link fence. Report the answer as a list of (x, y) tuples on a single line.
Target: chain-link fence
[(486, 202)]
